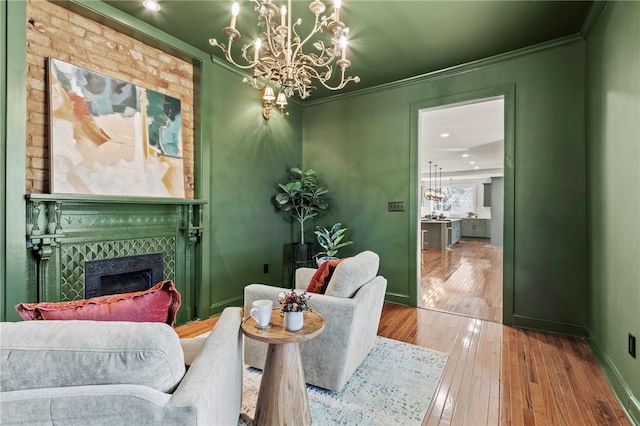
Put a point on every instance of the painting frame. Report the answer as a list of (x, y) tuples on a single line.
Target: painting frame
[(109, 137)]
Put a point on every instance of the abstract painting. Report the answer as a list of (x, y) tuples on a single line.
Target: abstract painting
[(110, 137)]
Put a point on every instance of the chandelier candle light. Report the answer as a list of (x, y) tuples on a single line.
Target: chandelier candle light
[(277, 56)]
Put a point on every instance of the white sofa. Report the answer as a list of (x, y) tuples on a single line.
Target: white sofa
[(118, 373), (351, 307)]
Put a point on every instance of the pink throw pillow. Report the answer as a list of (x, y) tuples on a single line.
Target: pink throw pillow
[(157, 304)]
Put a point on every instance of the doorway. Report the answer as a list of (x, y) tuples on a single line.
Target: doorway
[(461, 207)]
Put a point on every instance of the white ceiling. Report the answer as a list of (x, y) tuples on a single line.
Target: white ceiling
[(476, 134)]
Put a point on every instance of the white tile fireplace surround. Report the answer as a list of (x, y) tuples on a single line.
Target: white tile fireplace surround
[(66, 233)]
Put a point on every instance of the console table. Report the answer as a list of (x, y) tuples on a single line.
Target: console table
[(282, 398)]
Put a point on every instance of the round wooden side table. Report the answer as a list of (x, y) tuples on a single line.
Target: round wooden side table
[(282, 398)]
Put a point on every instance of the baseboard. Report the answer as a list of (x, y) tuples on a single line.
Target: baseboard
[(218, 307), (628, 401), (545, 325), (397, 298)]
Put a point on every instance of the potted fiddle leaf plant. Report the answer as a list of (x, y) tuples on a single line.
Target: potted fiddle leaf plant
[(302, 198), (331, 240)]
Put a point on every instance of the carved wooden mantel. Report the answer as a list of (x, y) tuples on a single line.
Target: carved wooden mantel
[(64, 231)]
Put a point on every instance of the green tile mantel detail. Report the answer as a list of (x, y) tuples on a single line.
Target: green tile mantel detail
[(74, 256), (65, 231)]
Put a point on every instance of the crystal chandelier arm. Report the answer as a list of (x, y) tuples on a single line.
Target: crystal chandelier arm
[(321, 77), (319, 61), (316, 60), (301, 42), (227, 54), (270, 35)]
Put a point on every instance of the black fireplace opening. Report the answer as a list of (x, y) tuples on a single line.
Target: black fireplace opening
[(122, 274)]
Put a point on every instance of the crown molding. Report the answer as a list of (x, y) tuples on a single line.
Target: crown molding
[(592, 17), (457, 69)]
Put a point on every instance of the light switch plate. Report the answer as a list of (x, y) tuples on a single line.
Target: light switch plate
[(396, 206)]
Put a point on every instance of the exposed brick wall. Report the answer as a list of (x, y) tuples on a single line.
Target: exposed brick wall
[(53, 31)]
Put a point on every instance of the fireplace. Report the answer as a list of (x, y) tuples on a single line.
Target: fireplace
[(67, 233), (122, 274)]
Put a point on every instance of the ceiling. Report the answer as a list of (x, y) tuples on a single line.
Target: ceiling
[(465, 141), (389, 40), (395, 40)]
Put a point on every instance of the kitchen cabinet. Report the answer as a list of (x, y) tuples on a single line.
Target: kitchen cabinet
[(455, 232), (477, 228), (486, 201), (440, 234)]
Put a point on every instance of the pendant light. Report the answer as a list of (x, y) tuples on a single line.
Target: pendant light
[(429, 193), (440, 193)]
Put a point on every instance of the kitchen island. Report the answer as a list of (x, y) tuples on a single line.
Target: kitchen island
[(440, 234)]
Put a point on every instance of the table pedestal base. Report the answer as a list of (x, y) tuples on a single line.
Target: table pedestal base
[(282, 399)]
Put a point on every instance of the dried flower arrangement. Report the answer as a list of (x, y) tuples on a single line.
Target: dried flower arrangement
[(294, 302)]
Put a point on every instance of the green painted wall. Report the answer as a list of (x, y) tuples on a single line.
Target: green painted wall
[(3, 145), (362, 146), (13, 157), (249, 156), (240, 159), (613, 153)]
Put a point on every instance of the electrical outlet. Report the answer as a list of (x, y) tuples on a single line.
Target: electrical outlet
[(396, 206), (632, 345), (265, 268)]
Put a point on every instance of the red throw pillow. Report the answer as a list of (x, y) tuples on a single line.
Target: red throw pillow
[(322, 276), (157, 304)]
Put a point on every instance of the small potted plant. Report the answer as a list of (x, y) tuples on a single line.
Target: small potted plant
[(293, 305), (330, 240)]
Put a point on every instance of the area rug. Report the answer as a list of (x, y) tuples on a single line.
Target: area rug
[(394, 385)]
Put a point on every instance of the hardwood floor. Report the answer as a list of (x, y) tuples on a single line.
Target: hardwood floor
[(466, 280), (496, 374), (196, 328), (554, 379)]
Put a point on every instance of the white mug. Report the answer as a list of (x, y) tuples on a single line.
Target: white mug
[(261, 312)]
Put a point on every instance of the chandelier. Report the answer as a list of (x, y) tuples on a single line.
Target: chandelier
[(278, 57), (431, 193)]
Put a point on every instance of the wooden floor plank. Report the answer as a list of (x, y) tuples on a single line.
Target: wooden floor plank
[(466, 280), (542, 407)]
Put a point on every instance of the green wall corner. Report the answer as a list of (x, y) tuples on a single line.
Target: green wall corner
[(613, 155), (12, 282)]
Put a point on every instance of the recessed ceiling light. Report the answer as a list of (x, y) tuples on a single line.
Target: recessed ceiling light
[(444, 135), (465, 155), (151, 5), (476, 167), (472, 162)]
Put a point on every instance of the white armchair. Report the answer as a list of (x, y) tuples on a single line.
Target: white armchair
[(351, 307)]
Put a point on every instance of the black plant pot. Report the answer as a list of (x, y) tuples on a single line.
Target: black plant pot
[(301, 252)]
